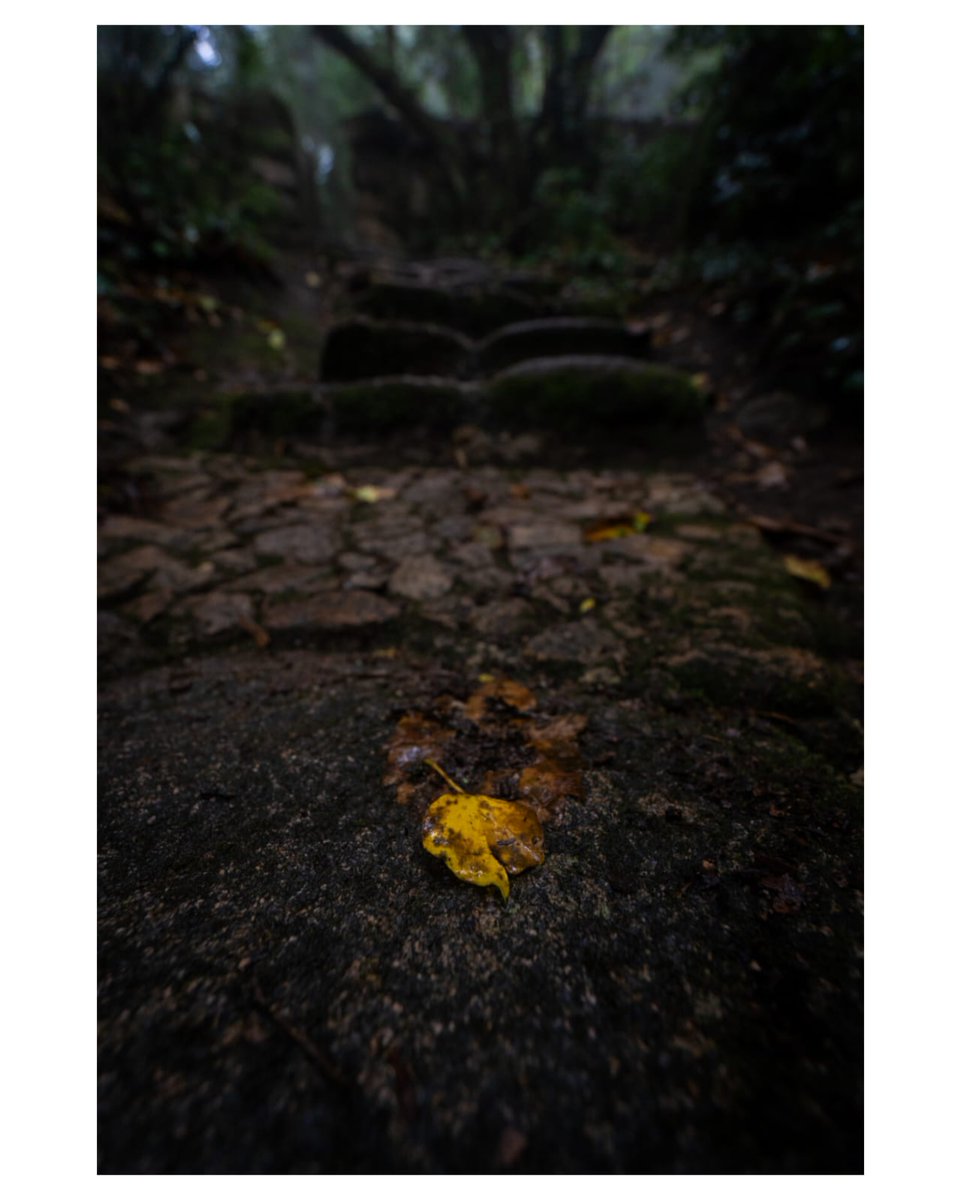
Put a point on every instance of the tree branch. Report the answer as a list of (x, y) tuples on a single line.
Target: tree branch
[(387, 82)]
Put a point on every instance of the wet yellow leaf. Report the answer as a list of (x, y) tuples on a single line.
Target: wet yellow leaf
[(807, 568), (482, 838), (370, 493), (618, 529)]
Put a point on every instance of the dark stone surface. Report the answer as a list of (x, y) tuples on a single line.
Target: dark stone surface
[(361, 349), (472, 309), (557, 336), (289, 983)]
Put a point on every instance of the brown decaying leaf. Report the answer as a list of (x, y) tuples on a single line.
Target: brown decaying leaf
[(545, 784), (515, 694), (416, 738)]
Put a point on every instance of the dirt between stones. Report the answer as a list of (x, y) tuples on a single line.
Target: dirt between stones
[(291, 984)]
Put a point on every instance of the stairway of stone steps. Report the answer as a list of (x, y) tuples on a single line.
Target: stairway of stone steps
[(440, 345)]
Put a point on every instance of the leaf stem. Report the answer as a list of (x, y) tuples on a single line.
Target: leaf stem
[(443, 774)]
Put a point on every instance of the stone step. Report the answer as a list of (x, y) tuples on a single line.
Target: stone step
[(559, 336), (565, 392), (472, 309), (366, 348)]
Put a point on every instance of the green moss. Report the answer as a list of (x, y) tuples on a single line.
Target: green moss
[(225, 418), (588, 393), (386, 404)]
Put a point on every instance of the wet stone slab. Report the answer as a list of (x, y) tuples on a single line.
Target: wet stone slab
[(289, 983)]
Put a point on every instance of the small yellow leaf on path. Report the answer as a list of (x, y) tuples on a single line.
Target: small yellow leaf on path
[(482, 838), (370, 493), (807, 568), (626, 527), (586, 605)]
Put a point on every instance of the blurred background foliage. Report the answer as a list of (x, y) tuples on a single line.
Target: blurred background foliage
[(724, 160)]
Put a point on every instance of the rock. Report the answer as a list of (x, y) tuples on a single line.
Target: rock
[(583, 641), (420, 578), (283, 577), (148, 606), (363, 348), (331, 611), (549, 535), (311, 544), (217, 612), (124, 528), (120, 575), (502, 617), (777, 417), (196, 511), (656, 552)]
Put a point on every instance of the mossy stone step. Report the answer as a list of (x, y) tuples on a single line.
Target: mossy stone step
[(364, 348), (570, 392), (559, 336), (474, 310)]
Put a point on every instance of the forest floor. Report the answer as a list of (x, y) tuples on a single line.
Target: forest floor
[(659, 653)]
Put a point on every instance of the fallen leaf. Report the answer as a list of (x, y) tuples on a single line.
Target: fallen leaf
[(416, 739), (515, 694), (608, 531), (481, 838), (558, 738), (585, 606), (369, 493), (257, 632), (771, 475), (808, 569), (546, 784)]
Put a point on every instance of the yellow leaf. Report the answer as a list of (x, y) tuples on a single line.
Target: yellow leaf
[(809, 569), (482, 838), (370, 493), (618, 529), (586, 605), (276, 339)]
